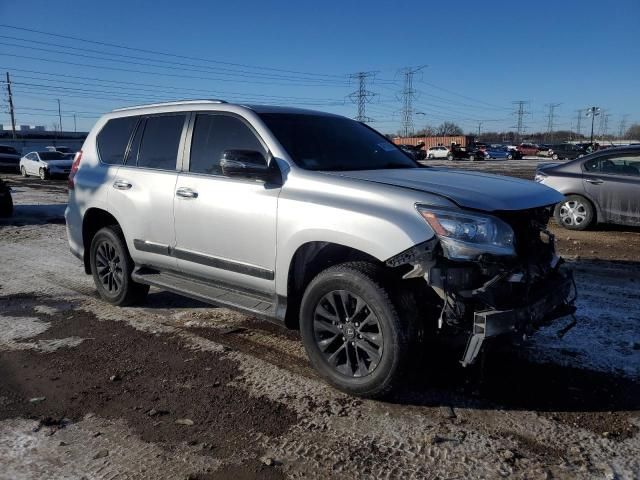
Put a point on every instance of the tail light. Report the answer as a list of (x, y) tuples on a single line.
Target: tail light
[(74, 168)]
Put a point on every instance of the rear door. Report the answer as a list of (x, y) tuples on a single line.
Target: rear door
[(614, 183), (225, 227), (143, 189)]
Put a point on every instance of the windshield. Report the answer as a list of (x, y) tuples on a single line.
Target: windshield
[(319, 142), (53, 156)]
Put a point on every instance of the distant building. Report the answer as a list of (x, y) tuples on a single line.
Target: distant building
[(24, 128), (39, 128)]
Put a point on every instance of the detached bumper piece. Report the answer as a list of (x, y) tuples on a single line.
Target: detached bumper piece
[(554, 303)]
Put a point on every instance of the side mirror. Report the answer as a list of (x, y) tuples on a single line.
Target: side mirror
[(245, 164)]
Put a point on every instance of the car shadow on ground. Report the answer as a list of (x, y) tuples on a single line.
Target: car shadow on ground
[(52, 213), (506, 380)]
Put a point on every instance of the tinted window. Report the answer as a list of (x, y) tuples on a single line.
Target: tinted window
[(53, 156), (9, 150), (324, 142), (214, 134), (114, 138), (622, 165), (160, 142)]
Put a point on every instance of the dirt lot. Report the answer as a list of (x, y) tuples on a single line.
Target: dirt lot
[(178, 389)]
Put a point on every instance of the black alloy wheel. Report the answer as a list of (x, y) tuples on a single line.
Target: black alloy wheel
[(348, 333)]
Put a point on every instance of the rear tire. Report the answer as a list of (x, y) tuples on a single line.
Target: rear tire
[(574, 213), (112, 266), (352, 332), (554, 156), (450, 157)]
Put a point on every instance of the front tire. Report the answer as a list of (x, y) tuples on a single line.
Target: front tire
[(352, 332), (554, 156), (23, 172), (112, 266), (450, 157), (574, 213), (43, 174)]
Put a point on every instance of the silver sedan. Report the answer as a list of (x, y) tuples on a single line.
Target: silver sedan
[(603, 187)]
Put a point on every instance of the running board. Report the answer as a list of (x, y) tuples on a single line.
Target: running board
[(258, 305)]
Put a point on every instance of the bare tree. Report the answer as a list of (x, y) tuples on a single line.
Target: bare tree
[(633, 132), (448, 128)]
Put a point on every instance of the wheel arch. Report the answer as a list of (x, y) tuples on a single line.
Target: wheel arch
[(307, 262), (93, 220)]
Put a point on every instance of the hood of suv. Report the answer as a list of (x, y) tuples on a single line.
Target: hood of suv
[(479, 191)]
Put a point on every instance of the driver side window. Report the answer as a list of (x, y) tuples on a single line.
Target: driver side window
[(215, 133)]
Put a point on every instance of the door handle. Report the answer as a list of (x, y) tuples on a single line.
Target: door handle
[(121, 185), (186, 193), (594, 181)]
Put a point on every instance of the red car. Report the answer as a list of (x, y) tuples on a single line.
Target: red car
[(527, 149)]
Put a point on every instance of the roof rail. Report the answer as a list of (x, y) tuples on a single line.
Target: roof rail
[(168, 104)]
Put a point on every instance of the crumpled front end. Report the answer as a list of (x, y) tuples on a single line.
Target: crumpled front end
[(496, 295)]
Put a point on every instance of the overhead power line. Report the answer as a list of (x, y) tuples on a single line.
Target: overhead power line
[(167, 54)]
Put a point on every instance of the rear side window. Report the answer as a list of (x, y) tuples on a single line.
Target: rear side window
[(114, 138), (212, 135), (160, 142)]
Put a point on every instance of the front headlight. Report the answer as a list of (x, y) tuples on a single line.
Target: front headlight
[(466, 236)]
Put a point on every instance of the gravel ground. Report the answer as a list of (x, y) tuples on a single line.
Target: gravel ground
[(178, 389)]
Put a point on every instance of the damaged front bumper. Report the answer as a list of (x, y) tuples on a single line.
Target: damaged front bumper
[(555, 302), (492, 296)]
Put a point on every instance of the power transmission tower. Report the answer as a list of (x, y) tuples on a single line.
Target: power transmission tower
[(11, 111), (604, 125), (579, 124), (622, 129), (362, 96), (408, 95), (552, 110), (520, 112)]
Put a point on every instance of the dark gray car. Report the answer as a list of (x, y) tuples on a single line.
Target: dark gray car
[(603, 187)]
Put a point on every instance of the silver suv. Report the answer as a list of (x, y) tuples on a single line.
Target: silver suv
[(316, 221)]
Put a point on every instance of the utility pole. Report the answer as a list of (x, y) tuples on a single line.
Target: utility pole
[(552, 109), (11, 110), (408, 95), (520, 112), (75, 129), (60, 116), (479, 127), (579, 124), (592, 112), (362, 96)]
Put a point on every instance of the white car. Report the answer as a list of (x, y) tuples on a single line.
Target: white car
[(437, 152), (46, 164)]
